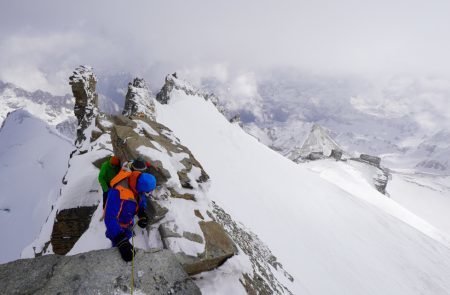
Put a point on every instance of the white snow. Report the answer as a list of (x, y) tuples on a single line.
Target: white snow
[(33, 159), (333, 237), (426, 195)]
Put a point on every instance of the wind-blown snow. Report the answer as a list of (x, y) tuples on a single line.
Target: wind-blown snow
[(33, 159), (330, 236)]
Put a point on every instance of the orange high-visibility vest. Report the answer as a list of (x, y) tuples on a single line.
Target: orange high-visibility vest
[(125, 182)]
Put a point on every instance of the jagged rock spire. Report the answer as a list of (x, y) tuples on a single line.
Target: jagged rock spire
[(83, 82), (138, 101), (172, 82)]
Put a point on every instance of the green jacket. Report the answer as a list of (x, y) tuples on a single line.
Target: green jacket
[(107, 173)]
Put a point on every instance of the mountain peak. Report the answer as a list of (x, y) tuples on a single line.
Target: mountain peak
[(318, 142), (173, 82)]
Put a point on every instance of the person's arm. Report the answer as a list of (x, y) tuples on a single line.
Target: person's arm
[(101, 177)]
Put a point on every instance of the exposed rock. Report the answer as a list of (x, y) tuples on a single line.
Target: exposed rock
[(315, 156), (219, 247), (166, 232), (83, 82), (69, 225), (336, 154), (155, 212), (373, 160), (96, 272), (138, 101), (199, 215), (186, 196), (381, 180), (172, 82), (263, 279), (193, 237), (126, 139)]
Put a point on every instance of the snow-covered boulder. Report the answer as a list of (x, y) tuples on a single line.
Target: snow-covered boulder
[(97, 272)]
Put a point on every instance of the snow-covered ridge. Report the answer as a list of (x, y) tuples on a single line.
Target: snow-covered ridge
[(51, 109), (187, 225), (340, 228)]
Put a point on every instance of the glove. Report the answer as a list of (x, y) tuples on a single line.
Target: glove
[(126, 250), (143, 220)]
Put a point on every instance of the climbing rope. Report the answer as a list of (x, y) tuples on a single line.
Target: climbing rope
[(132, 260)]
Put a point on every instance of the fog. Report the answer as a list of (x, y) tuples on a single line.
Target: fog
[(42, 41)]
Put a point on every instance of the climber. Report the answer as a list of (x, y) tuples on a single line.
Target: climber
[(108, 170), (127, 196), (138, 164)]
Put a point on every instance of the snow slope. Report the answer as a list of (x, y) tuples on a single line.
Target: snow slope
[(33, 159), (426, 195), (332, 236)]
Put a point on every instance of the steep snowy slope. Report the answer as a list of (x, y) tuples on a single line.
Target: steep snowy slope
[(335, 234), (426, 195), (33, 159)]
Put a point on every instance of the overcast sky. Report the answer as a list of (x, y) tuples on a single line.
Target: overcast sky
[(42, 41)]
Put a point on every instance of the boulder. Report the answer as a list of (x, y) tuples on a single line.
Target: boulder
[(96, 272), (218, 248)]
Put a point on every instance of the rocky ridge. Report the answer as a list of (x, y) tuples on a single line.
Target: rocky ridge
[(183, 218), (155, 273)]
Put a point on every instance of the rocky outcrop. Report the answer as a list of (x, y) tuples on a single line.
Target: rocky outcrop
[(69, 225), (180, 177), (138, 101), (219, 247), (79, 195), (373, 160), (172, 82), (83, 82), (263, 279), (97, 272)]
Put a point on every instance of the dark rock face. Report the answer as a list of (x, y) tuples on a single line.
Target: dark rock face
[(262, 280), (96, 272), (315, 156), (83, 82), (381, 180), (138, 101), (373, 160), (336, 154), (69, 225)]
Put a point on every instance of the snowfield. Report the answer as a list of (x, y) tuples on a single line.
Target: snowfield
[(33, 160), (335, 235)]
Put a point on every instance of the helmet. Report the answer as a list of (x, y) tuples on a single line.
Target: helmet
[(145, 183), (114, 161), (138, 164)]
